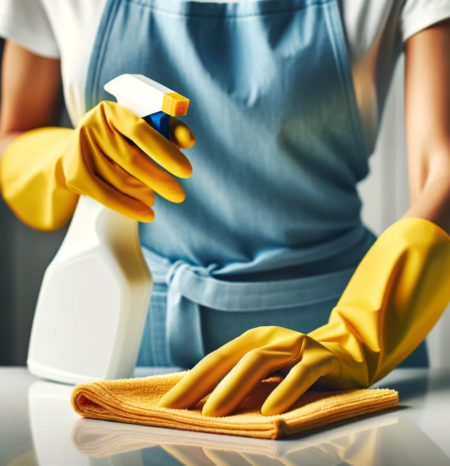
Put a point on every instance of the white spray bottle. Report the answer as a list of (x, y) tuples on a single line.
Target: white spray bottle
[(94, 297)]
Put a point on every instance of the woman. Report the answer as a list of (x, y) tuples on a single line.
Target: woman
[(286, 100)]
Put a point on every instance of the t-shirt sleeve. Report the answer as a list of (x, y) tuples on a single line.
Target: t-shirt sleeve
[(420, 14), (26, 22)]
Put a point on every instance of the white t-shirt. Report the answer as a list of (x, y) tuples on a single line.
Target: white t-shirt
[(66, 29)]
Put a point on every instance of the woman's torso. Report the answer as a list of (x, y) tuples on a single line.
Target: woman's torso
[(305, 211)]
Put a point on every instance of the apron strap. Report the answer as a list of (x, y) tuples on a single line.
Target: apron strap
[(195, 285)]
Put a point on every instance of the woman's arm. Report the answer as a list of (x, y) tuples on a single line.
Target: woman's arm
[(428, 124), (112, 155), (31, 92)]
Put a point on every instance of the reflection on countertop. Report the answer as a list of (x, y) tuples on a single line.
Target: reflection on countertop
[(377, 441), (38, 427)]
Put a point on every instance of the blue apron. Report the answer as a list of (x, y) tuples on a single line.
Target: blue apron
[(270, 232)]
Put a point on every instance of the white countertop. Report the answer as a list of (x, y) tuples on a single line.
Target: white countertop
[(38, 427)]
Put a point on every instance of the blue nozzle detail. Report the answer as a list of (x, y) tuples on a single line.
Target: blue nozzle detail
[(160, 122)]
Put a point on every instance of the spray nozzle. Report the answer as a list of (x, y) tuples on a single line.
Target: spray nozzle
[(148, 99)]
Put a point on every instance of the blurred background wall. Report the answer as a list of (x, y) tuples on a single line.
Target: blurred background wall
[(24, 253)]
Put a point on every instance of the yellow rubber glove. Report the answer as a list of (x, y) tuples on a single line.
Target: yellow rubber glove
[(110, 157), (396, 295)]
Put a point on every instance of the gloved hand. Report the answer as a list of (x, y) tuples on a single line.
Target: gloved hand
[(110, 157), (396, 295)]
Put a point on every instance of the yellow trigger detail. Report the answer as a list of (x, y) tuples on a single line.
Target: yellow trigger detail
[(175, 104)]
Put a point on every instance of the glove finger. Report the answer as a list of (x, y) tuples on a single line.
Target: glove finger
[(128, 161), (299, 379), (243, 379), (136, 190), (180, 134), (91, 185), (161, 150), (123, 204), (114, 175), (202, 379), (121, 121)]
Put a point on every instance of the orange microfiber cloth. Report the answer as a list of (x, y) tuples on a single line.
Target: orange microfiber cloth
[(135, 401)]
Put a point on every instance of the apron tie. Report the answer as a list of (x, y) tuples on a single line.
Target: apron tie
[(190, 287)]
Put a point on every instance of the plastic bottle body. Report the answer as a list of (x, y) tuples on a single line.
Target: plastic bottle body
[(93, 302)]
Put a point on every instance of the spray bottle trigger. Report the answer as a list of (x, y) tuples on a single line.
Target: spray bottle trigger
[(160, 122)]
